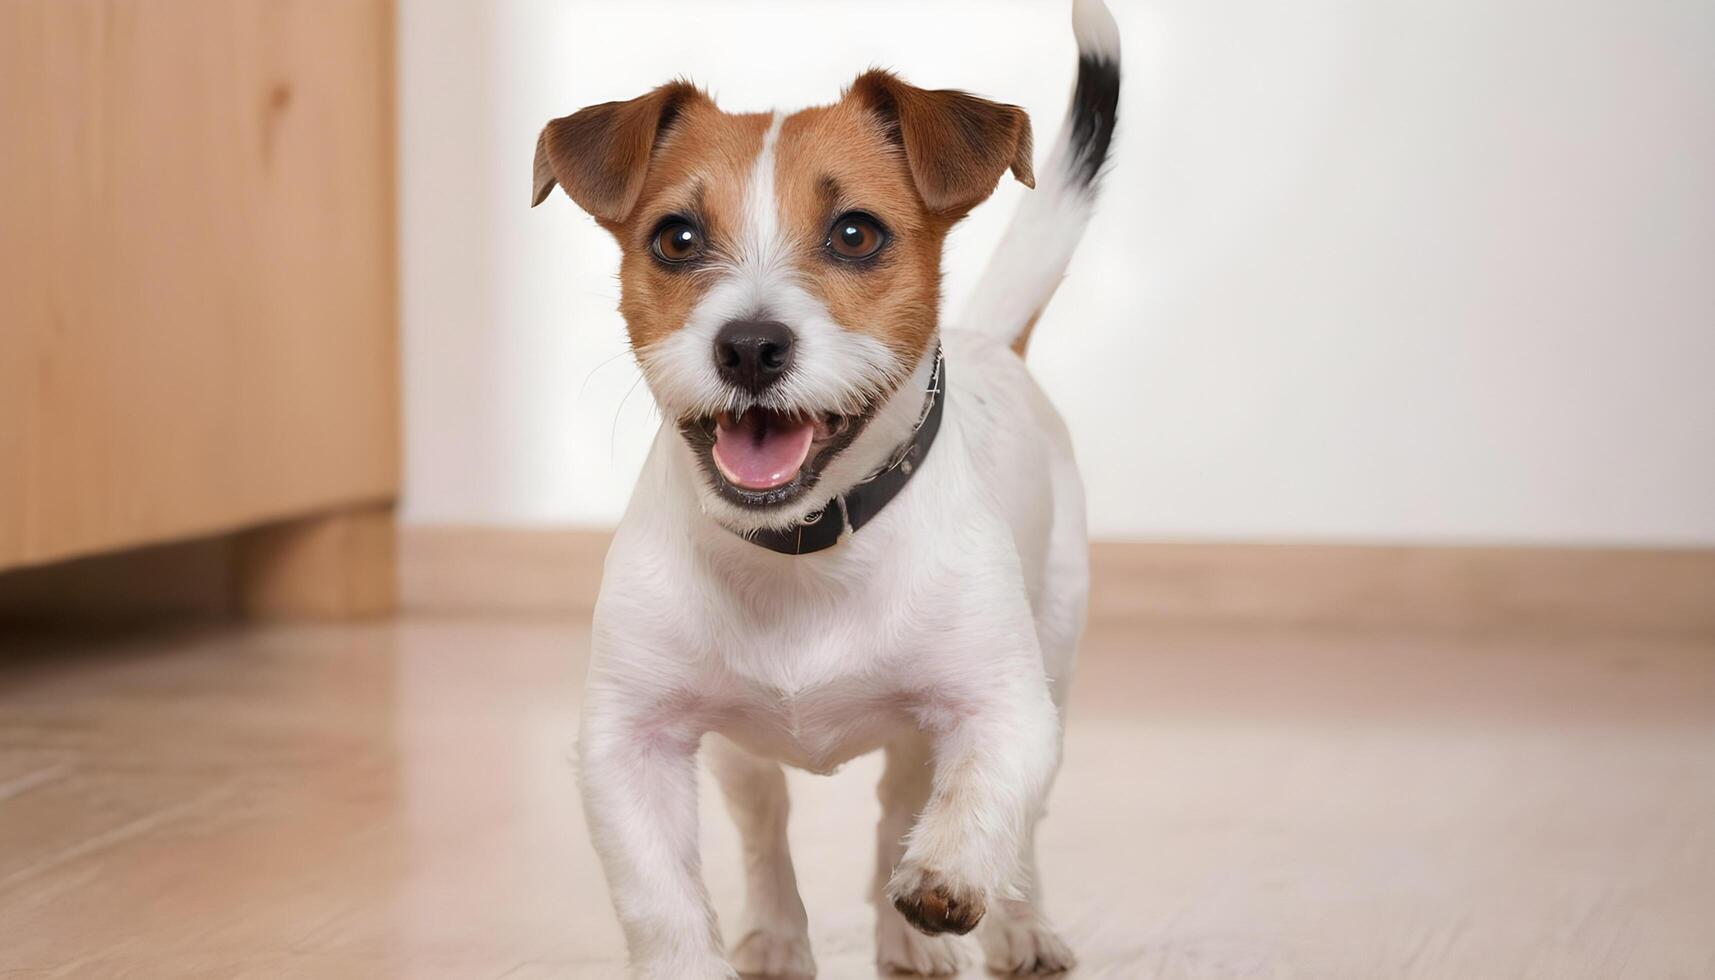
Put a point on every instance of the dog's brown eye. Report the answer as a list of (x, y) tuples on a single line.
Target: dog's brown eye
[(856, 236), (677, 241)]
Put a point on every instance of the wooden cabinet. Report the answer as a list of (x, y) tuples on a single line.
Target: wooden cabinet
[(198, 323)]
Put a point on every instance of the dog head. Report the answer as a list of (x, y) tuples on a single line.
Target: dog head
[(780, 278)]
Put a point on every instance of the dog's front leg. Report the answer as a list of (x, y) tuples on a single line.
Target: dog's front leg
[(996, 742), (638, 772)]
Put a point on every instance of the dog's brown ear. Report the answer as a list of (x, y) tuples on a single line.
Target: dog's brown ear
[(601, 154), (957, 144)]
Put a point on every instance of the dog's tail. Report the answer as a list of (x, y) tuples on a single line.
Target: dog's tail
[(1031, 260)]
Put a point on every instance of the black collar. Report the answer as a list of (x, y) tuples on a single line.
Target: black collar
[(858, 506)]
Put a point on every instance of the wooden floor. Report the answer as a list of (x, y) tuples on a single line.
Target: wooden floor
[(397, 800)]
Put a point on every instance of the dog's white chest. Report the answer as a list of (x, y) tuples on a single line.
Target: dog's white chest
[(818, 728)]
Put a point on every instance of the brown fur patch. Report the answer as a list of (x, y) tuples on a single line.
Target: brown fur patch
[(700, 170), (837, 159), (600, 154), (958, 145), (915, 160)]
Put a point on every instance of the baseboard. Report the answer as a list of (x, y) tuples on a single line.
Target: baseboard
[(1561, 590), (1666, 592)]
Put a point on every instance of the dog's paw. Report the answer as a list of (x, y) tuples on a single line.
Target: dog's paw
[(901, 949), (935, 902), (763, 953), (1024, 945)]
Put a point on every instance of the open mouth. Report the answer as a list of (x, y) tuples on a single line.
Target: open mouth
[(762, 457)]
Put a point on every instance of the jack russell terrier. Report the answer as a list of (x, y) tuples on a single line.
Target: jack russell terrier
[(855, 530)]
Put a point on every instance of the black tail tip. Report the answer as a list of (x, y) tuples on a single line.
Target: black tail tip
[(1095, 106)]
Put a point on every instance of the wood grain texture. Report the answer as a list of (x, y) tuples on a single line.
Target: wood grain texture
[(338, 565), (1567, 591), (397, 799), (196, 267)]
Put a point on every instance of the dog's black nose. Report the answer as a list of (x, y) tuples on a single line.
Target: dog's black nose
[(753, 354)]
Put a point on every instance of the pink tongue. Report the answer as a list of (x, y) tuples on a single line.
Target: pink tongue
[(761, 450)]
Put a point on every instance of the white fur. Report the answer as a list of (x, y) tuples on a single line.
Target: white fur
[(1027, 267), (944, 632), (952, 618), (1093, 26)]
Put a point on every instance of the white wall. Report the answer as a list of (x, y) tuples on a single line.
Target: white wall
[(1434, 271)]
